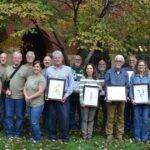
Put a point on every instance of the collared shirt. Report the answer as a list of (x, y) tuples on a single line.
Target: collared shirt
[(44, 71), (116, 77), (137, 79), (62, 72)]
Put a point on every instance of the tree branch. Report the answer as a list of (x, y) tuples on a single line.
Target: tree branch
[(107, 5), (58, 43), (90, 54)]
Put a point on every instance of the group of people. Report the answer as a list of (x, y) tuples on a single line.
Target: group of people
[(24, 87)]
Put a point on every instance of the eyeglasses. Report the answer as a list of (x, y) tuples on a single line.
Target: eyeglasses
[(78, 59), (101, 64), (118, 61), (131, 60)]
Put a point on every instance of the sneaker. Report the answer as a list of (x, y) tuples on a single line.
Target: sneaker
[(89, 137), (32, 140), (52, 140), (17, 136), (84, 137), (10, 137), (109, 138), (65, 141)]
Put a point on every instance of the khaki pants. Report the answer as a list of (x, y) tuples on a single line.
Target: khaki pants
[(115, 110), (88, 114)]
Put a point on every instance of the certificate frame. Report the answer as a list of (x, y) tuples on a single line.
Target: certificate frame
[(90, 96), (116, 93), (141, 93), (56, 89)]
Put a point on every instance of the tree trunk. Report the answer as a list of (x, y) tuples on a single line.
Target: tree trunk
[(89, 57)]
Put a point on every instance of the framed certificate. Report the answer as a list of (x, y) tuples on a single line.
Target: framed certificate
[(91, 95), (116, 93), (141, 93), (56, 89)]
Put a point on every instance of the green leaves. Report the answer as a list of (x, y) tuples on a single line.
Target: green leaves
[(99, 37), (124, 26), (30, 10)]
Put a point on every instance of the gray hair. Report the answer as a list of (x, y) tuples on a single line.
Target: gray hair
[(57, 53), (3, 54), (17, 53), (119, 57), (30, 53)]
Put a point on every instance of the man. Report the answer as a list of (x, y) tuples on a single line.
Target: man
[(47, 61), (116, 76), (3, 65), (132, 61), (74, 98), (60, 109), (101, 71), (14, 102), (30, 57)]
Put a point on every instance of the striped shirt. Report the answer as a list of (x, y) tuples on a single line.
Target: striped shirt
[(90, 82)]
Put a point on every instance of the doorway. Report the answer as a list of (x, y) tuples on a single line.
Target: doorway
[(34, 42)]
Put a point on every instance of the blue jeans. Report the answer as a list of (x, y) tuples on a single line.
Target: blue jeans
[(74, 107), (128, 116), (2, 109), (34, 115), (60, 111), (45, 117), (14, 108), (140, 129)]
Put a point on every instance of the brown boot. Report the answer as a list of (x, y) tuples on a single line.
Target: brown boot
[(84, 136)]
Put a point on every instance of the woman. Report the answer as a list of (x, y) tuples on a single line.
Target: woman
[(87, 113), (141, 111), (34, 96)]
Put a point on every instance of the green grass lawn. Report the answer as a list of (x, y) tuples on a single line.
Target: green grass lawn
[(75, 143)]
